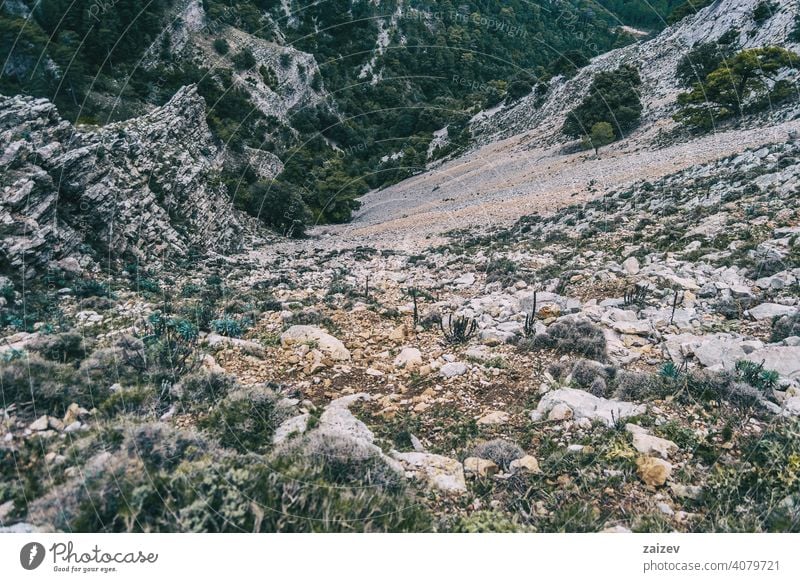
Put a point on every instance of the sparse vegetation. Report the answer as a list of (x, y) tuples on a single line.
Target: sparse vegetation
[(785, 326)]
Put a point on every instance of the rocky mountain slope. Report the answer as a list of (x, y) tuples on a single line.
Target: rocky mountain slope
[(633, 366), (521, 339)]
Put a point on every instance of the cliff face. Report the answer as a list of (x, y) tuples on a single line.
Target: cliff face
[(143, 190)]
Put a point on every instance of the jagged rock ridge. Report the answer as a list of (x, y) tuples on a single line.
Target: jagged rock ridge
[(141, 190)]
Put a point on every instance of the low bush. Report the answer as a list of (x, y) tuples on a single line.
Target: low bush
[(343, 460), (203, 388), (708, 385), (573, 336), (69, 346), (228, 327), (38, 386), (487, 522), (162, 447), (133, 401), (91, 288), (585, 372), (761, 494), (499, 451), (503, 270), (637, 386), (142, 487), (756, 376)]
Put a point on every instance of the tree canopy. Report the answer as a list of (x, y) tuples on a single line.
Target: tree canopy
[(748, 81), (613, 98)]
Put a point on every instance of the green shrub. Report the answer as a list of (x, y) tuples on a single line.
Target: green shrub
[(794, 35), (69, 346), (687, 8), (203, 387), (91, 288), (228, 327), (764, 10), (137, 401), (637, 386), (742, 83), (342, 460), (755, 375), (7, 293), (124, 362), (185, 485), (613, 98), (279, 205), (245, 420), (244, 59), (162, 447), (698, 63), (38, 386), (487, 522), (707, 385), (762, 493), (502, 270), (585, 372), (169, 348)]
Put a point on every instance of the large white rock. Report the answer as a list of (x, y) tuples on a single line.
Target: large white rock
[(631, 265), (465, 280), (338, 419), (585, 405), (329, 345), (453, 369), (294, 425), (649, 444), (719, 351), (248, 347), (408, 358), (442, 473), (770, 310), (493, 418), (639, 327)]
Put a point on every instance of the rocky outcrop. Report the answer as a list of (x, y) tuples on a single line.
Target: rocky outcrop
[(190, 37), (142, 190)]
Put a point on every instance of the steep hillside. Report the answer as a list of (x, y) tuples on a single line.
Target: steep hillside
[(656, 60)]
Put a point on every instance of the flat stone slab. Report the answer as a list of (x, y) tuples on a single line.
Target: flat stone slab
[(585, 405)]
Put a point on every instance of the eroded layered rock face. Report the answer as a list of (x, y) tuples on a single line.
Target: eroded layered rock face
[(145, 190)]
